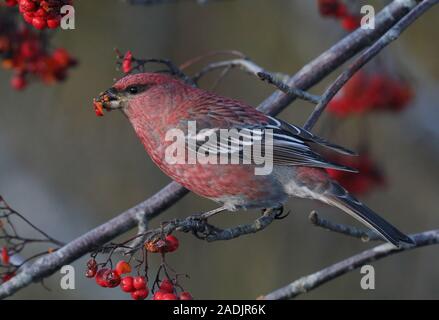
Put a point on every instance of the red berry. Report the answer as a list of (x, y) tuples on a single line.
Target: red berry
[(40, 12), (186, 296), (167, 286), (123, 267), (126, 66), (39, 23), (172, 243), (101, 277), (92, 264), (61, 57), (5, 255), (27, 5), (29, 49), (139, 282), (11, 3), (8, 276), (155, 246), (140, 294), (127, 62), (53, 23), (126, 284), (18, 82), (28, 17), (158, 295), (350, 23), (90, 273), (113, 279), (169, 296)]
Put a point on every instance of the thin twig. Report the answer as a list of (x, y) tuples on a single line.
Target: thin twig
[(363, 234), (252, 68), (287, 89), (316, 279)]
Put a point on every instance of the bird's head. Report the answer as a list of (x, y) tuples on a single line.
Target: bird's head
[(130, 91)]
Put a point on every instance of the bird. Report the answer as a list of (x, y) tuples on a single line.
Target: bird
[(155, 103)]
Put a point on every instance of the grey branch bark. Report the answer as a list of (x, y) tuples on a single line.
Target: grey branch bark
[(338, 269), (308, 76), (390, 36)]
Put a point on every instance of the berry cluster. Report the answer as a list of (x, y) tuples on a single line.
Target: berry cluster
[(26, 53), (137, 286), (169, 244), (127, 62), (339, 10), (41, 14), (111, 278), (167, 291), (367, 92), (368, 177)]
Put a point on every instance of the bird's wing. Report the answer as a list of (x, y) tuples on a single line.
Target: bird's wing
[(291, 145)]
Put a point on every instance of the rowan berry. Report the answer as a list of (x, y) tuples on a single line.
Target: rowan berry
[(140, 294), (139, 282)]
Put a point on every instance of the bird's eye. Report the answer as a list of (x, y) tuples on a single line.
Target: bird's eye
[(133, 89)]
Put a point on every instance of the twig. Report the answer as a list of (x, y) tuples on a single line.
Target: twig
[(364, 235), (265, 76), (314, 280), (252, 68), (390, 36)]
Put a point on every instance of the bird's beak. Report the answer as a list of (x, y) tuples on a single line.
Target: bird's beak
[(108, 100)]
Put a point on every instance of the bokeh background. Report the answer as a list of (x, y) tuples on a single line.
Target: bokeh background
[(69, 171)]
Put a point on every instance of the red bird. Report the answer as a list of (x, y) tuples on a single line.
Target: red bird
[(157, 103)]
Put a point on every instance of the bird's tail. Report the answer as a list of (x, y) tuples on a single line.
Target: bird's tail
[(340, 198)]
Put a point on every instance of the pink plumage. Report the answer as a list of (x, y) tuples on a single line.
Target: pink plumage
[(157, 103)]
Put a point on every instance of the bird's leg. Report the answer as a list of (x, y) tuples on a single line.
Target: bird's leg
[(265, 76), (208, 214), (203, 228)]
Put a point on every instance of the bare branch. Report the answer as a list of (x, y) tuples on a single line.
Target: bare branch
[(364, 235), (390, 36), (265, 76), (314, 280), (338, 54)]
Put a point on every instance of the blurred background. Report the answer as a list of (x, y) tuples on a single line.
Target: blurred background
[(69, 171)]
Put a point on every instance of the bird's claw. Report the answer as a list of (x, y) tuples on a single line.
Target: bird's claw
[(280, 213), (201, 229)]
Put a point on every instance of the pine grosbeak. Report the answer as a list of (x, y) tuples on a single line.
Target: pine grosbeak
[(156, 103)]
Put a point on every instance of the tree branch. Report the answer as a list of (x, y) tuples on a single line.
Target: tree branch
[(309, 75), (338, 54), (314, 280), (390, 36)]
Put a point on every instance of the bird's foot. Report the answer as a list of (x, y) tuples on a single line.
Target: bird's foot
[(200, 228), (279, 212)]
